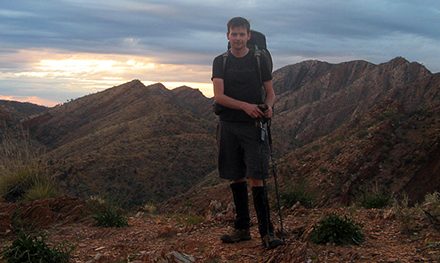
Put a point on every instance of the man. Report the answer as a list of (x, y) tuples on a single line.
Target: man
[(243, 149)]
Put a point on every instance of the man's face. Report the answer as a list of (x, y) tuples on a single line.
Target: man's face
[(238, 37)]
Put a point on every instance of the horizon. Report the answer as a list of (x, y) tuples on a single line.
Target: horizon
[(168, 85), (54, 51)]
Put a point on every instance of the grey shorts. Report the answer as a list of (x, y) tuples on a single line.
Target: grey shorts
[(241, 152)]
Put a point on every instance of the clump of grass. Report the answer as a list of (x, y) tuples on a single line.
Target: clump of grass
[(23, 175), (106, 213), (431, 208), (29, 182), (337, 230), (28, 248), (188, 219), (375, 200), (193, 219), (110, 217), (297, 193), (150, 208), (407, 216), (41, 190)]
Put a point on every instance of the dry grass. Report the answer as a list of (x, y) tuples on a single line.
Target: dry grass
[(23, 173)]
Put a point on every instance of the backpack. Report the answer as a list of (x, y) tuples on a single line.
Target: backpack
[(257, 43)]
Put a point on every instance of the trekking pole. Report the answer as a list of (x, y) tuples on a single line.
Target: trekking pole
[(274, 172)]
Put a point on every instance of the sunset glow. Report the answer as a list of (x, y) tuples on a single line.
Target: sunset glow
[(88, 73)]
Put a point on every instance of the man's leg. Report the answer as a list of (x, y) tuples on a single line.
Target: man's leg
[(261, 204), (232, 167), (242, 220)]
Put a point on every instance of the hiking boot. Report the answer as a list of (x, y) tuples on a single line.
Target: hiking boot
[(236, 235), (270, 241)]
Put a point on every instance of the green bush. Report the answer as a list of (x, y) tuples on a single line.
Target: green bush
[(375, 200), (27, 248), (110, 216), (337, 230), (297, 193)]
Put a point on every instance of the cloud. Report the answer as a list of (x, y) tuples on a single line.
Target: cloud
[(61, 76), (181, 37)]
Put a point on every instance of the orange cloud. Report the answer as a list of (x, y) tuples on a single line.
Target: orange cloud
[(31, 99), (84, 73)]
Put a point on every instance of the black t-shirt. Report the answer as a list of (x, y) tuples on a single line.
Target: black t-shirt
[(241, 82)]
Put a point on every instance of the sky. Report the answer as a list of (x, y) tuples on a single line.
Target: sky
[(52, 51)]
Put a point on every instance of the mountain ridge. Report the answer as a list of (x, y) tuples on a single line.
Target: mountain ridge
[(317, 102)]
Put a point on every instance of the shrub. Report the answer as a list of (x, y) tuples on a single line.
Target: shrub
[(107, 215), (375, 200), (297, 193), (407, 216), (431, 208), (432, 204), (27, 248), (337, 230)]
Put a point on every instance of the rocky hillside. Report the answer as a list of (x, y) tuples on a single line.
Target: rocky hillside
[(353, 125), (352, 128), (342, 128), (131, 142)]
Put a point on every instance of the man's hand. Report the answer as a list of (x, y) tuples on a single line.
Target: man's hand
[(253, 110), (267, 110), (268, 113)]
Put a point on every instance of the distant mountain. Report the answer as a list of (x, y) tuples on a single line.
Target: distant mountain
[(131, 142), (12, 112)]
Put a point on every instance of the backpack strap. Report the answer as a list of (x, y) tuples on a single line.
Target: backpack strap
[(257, 54), (225, 58)]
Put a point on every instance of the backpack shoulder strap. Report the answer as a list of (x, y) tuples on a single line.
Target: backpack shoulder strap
[(257, 54), (225, 58)]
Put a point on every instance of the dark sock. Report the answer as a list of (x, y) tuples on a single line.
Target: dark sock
[(261, 204), (240, 194)]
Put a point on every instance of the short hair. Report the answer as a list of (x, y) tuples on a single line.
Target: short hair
[(239, 22)]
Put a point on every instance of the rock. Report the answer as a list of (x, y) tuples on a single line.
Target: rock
[(180, 257)]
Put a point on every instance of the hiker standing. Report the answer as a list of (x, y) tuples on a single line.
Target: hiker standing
[(244, 93)]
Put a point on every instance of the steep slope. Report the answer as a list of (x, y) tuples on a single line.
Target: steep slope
[(361, 125), (347, 128), (131, 142), (315, 98)]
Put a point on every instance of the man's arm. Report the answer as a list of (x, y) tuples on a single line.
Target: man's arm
[(220, 98), (270, 98)]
